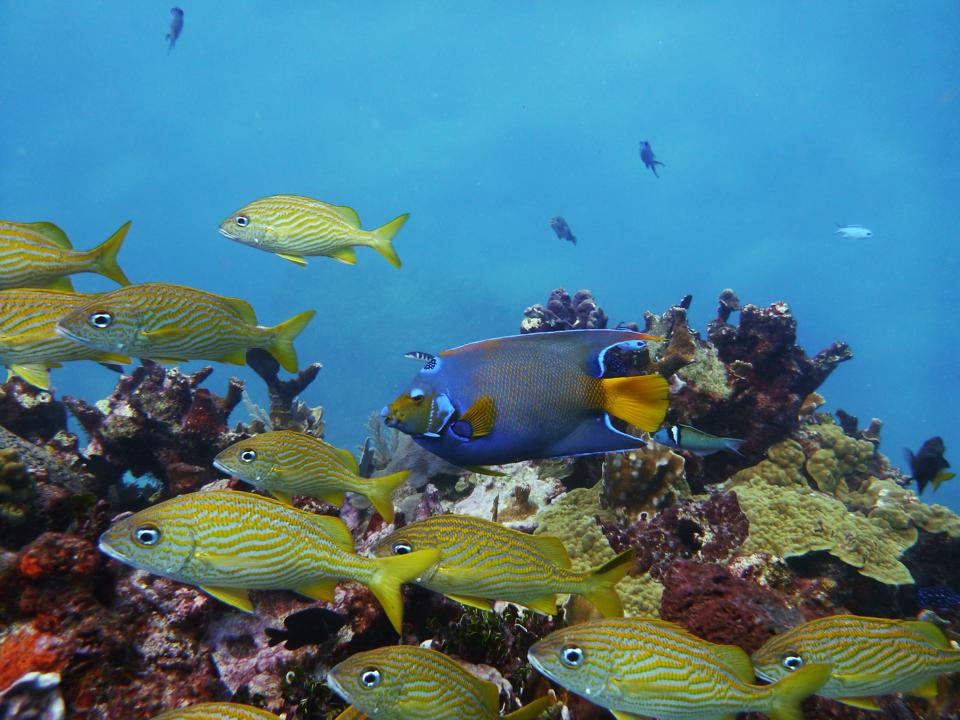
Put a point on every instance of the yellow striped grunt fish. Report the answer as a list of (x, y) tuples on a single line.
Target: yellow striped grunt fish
[(217, 711), (228, 542), (29, 342), (287, 463), (406, 682), (293, 226), (174, 323), (40, 255), (870, 657), (483, 561), (643, 667)]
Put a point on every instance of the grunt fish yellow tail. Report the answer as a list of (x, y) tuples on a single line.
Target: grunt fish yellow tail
[(391, 573), (640, 400), (103, 257), (281, 346), (789, 692), (599, 588), (380, 492), (530, 711), (382, 239)]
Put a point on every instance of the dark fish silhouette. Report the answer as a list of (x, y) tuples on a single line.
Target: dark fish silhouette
[(649, 159), (928, 466), (307, 627), (562, 229), (176, 27), (938, 598)]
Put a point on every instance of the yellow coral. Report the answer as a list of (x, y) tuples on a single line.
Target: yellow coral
[(900, 508), (707, 373)]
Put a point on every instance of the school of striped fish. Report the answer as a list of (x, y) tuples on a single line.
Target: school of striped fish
[(490, 402)]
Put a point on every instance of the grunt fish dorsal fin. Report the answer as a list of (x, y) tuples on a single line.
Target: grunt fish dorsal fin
[(295, 259), (553, 548), (348, 460), (335, 529), (52, 233), (479, 417), (738, 661), (929, 631), (243, 309), (236, 597), (348, 214)]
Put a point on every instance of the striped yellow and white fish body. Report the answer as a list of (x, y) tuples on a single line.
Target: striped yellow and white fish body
[(287, 463), (870, 657), (644, 667), (175, 323), (217, 711), (228, 542), (406, 682), (294, 227), (40, 255), (483, 561), (29, 342)]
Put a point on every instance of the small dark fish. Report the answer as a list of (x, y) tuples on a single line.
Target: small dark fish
[(938, 597), (562, 229), (928, 466), (176, 27), (307, 627), (649, 159)]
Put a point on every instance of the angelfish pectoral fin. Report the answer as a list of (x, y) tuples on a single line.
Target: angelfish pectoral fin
[(477, 421), (237, 597)]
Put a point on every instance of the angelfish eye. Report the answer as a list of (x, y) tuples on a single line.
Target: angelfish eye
[(101, 320), (572, 656), (792, 661), (148, 535), (402, 548), (416, 395), (248, 456), (242, 220), (370, 677)]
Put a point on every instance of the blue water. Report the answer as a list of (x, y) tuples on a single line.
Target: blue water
[(774, 121)]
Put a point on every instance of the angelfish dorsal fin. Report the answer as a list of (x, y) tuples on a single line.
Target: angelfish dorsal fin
[(429, 360)]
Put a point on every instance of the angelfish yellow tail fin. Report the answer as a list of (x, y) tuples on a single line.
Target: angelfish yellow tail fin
[(641, 401), (281, 346), (382, 239)]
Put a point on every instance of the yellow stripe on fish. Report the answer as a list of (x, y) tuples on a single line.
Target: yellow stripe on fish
[(406, 682), (638, 667), (229, 542), (293, 226), (40, 255), (288, 463), (29, 342), (870, 657), (217, 711), (483, 561), (175, 323)]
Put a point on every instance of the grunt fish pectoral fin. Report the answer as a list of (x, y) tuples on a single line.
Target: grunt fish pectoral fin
[(237, 597), (546, 604), (864, 703), (475, 602), (345, 255), (738, 661), (34, 373), (322, 589), (295, 259)]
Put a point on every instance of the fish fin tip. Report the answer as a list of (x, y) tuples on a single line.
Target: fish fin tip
[(546, 605), (788, 692), (863, 703), (284, 497), (383, 236), (333, 497), (347, 256), (927, 689), (35, 374), (235, 597), (347, 214), (601, 586), (320, 589), (105, 256), (640, 400), (391, 573), (381, 491), (295, 259), (471, 601), (283, 336), (553, 548), (531, 711)]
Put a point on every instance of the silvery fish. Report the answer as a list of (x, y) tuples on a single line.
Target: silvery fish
[(483, 561), (29, 342), (40, 255), (174, 323), (288, 463), (684, 437), (870, 657), (293, 226), (228, 542), (643, 667), (405, 682), (217, 711), (853, 232)]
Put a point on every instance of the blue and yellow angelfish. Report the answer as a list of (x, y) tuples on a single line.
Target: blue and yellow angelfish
[(529, 396)]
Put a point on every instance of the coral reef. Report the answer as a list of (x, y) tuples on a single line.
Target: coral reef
[(564, 313), (286, 412)]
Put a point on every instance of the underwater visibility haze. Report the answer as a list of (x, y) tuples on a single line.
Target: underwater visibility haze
[(740, 220)]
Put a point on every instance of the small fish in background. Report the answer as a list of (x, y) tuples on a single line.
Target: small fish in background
[(562, 229), (928, 466), (294, 227), (684, 437), (407, 682), (176, 27), (938, 597), (307, 627), (217, 711), (640, 667), (853, 232), (649, 159), (868, 657)]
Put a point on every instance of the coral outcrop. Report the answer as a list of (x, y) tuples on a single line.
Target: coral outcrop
[(564, 313)]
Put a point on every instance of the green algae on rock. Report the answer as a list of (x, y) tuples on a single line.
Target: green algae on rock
[(17, 490)]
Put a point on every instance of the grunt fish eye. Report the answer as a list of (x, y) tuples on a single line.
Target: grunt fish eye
[(572, 656), (248, 456), (242, 220), (148, 535), (101, 320), (402, 548), (370, 677), (416, 395), (792, 661)]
